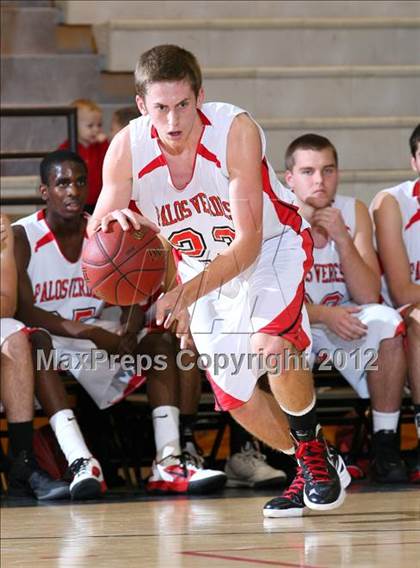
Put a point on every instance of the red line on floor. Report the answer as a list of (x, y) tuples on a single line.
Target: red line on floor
[(249, 560)]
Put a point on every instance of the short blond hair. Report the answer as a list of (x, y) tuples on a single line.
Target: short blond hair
[(86, 104)]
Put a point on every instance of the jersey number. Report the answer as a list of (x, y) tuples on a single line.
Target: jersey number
[(83, 314), (192, 243), (332, 299)]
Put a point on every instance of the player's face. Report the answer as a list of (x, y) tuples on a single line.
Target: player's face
[(66, 191), (172, 107), (89, 126), (314, 177), (415, 161)]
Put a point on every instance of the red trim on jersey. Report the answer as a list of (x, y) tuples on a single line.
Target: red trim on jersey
[(158, 162), (50, 236), (47, 238), (416, 189), (133, 206), (203, 117), (223, 400), (414, 219), (205, 153), (40, 215), (288, 324), (286, 212)]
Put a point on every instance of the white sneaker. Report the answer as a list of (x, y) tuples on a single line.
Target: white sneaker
[(183, 474), (88, 481), (249, 468)]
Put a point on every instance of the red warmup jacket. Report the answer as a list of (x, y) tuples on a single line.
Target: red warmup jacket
[(93, 155)]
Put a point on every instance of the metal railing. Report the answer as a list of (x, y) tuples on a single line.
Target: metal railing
[(8, 111)]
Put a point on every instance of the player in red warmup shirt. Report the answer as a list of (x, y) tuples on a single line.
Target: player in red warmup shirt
[(92, 145), (199, 172)]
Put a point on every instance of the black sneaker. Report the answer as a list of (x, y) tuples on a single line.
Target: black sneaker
[(387, 465), (415, 468), (291, 502), (323, 490), (27, 478)]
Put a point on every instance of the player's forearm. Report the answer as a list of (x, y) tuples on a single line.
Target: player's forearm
[(317, 313), (237, 258), (361, 280), (55, 324), (408, 293)]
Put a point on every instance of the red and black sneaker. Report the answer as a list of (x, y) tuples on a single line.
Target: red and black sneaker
[(323, 490), (290, 503), (184, 474)]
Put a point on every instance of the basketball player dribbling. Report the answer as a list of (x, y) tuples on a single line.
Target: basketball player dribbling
[(198, 173)]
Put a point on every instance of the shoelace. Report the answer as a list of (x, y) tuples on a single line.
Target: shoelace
[(313, 456), (296, 486), (80, 465), (195, 460)]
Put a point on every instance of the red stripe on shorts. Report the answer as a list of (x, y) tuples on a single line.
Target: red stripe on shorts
[(223, 400)]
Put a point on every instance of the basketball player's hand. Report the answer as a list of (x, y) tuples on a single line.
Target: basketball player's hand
[(344, 323), (331, 221), (171, 309), (126, 218)]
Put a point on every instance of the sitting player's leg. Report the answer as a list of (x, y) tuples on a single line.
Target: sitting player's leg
[(88, 481), (412, 320), (173, 471), (17, 394), (375, 367), (189, 389), (385, 386)]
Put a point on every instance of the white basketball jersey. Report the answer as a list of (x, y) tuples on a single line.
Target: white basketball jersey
[(197, 220), (407, 195), (325, 282), (58, 284)]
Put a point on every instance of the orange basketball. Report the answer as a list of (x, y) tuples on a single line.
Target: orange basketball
[(124, 267)]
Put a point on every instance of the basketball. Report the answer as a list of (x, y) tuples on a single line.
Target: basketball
[(124, 267)]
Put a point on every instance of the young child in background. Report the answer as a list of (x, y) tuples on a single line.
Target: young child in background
[(121, 118), (92, 145)]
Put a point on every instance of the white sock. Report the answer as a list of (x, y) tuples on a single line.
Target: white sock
[(385, 420), (69, 436), (166, 427)]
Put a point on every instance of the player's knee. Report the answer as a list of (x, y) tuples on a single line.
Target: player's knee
[(16, 345), (413, 322), (41, 341), (394, 344), (269, 344)]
